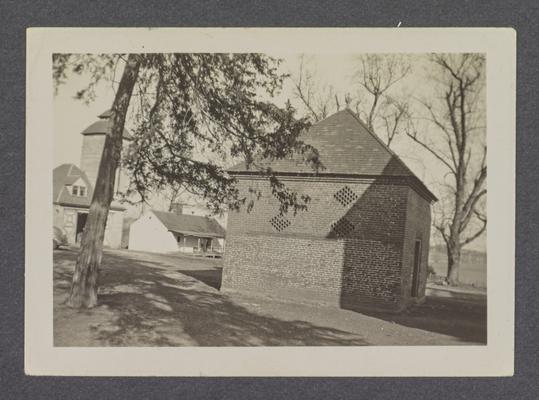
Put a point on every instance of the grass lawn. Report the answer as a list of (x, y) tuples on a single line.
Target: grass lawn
[(174, 300)]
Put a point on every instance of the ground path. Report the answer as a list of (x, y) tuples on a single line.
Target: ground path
[(174, 300)]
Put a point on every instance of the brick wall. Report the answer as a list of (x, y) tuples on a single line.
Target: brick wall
[(281, 266), (417, 227), (377, 211), (316, 256)]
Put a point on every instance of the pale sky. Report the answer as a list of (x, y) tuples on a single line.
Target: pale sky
[(72, 116)]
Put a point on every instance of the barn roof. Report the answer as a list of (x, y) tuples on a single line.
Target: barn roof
[(190, 224), (67, 174), (346, 148), (103, 126)]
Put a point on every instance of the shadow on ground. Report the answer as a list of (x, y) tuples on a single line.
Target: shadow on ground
[(155, 304), (211, 277), (463, 316)]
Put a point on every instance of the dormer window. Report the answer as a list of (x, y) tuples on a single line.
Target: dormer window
[(79, 191)]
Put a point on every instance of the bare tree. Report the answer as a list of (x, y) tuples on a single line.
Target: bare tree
[(173, 195), (394, 118), (374, 80), (377, 74), (456, 130), (319, 101)]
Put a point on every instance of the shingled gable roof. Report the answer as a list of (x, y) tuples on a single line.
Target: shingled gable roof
[(347, 148), (103, 126), (190, 224), (67, 174)]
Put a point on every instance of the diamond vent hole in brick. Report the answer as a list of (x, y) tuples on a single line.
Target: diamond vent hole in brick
[(345, 196), (342, 228), (279, 223)]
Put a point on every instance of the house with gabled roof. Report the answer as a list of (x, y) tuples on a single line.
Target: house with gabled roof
[(168, 232), (72, 194), (362, 243), (73, 188)]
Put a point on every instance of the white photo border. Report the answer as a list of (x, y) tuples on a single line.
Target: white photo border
[(494, 359)]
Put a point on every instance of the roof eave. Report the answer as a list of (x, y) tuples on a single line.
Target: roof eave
[(70, 204), (199, 234), (422, 189)]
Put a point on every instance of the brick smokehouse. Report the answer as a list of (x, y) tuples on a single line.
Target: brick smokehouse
[(362, 243)]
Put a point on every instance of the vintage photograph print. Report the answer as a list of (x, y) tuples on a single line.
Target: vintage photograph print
[(240, 199), (256, 200)]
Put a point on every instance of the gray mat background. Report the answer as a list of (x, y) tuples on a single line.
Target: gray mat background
[(16, 16)]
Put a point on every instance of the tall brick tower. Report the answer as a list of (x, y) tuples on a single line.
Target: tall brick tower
[(92, 146)]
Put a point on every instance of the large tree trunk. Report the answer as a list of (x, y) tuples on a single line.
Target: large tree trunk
[(85, 278), (453, 263)]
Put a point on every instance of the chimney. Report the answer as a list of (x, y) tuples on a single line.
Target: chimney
[(176, 208)]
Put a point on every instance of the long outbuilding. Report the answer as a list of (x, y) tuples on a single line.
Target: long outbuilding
[(168, 232)]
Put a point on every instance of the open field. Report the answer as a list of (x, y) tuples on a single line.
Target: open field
[(173, 300), (473, 270)]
